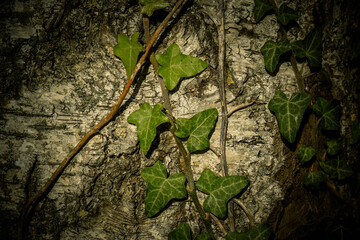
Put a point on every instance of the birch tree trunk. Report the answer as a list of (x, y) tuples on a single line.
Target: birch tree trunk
[(59, 77)]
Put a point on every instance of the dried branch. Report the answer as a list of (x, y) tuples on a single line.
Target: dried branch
[(251, 218), (242, 106), (221, 227)]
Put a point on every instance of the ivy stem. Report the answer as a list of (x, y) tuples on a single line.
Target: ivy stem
[(298, 75), (224, 113), (242, 106), (221, 227), (250, 217), (185, 159), (30, 205)]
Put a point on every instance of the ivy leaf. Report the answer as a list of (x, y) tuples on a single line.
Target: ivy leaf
[(336, 168), (330, 111), (203, 236), (272, 52), (289, 113), (149, 6), (182, 232), (286, 15), (197, 129), (310, 48), (260, 232), (306, 153), (160, 189), (220, 190), (175, 65), (314, 180), (128, 51), (147, 119), (261, 7), (333, 146), (355, 131)]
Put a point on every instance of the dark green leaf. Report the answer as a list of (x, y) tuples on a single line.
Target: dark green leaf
[(128, 51), (336, 168), (306, 153), (261, 7), (330, 112), (314, 180), (220, 190), (355, 131), (260, 232), (286, 14), (203, 236), (333, 146), (147, 120), (182, 232), (289, 113), (272, 52), (197, 129), (175, 65), (149, 6), (160, 189), (310, 48)]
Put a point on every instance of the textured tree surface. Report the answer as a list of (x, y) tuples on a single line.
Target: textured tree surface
[(59, 77)]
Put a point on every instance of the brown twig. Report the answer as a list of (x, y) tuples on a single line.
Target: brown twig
[(251, 218), (31, 204), (242, 106), (224, 113), (221, 227)]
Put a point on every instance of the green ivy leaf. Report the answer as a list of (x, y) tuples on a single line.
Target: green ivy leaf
[(289, 113), (160, 189), (149, 6), (261, 7), (220, 190), (197, 129), (272, 52), (203, 236), (175, 65), (310, 48), (128, 51), (355, 131), (314, 180), (286, 14), (330, 111), (333, 146), (182, 232), (306, 153), (260, 232), (336, 168), (147, 120)]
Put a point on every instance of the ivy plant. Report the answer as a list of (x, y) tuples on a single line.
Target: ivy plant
[(128, 51), (197, 129), (183, 232), (260, 232), (220, 190), (147, 119), (175, 65), (306, 153), (172, 66), (290, 112), (161, 189)]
